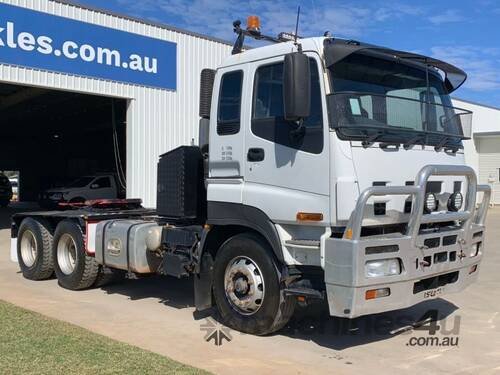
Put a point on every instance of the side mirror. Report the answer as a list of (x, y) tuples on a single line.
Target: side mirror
[(296, 87)]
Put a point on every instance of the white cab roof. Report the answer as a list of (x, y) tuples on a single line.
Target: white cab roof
[(271, 50)]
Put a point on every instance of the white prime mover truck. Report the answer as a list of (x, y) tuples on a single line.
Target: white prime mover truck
[(326, 169)]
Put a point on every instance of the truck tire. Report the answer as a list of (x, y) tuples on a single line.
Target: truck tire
[(34, 249), (74, 269), (247, 288), (108, 276)]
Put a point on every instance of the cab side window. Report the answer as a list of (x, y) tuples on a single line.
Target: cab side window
[(229, 110), (267, 116)]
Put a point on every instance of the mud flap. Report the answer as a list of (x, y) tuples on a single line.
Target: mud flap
[(203, 284)]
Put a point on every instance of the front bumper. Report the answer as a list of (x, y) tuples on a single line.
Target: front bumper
[(434, 262)]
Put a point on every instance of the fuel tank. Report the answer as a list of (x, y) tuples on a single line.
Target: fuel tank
[(122, 244)]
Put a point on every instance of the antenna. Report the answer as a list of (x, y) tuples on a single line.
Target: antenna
[(297, 29)]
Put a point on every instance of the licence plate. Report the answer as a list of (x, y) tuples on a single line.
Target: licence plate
[(431, 293)]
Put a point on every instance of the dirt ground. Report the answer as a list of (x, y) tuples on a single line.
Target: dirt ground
[(157, 314)]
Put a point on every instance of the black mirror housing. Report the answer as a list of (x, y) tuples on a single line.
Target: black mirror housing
[(296, 87)]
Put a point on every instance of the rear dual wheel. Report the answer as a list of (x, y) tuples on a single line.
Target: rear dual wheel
[(74, 269), (34, 249), (40, 253)]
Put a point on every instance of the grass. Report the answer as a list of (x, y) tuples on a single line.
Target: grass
[(33, 344)]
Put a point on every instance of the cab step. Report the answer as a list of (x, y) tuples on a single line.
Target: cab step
[(309, 244)]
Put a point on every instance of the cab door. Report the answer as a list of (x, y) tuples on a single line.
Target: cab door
[(287, 167), (227, 152)]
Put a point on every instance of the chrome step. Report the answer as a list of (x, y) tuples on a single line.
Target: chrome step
[(309, 244)]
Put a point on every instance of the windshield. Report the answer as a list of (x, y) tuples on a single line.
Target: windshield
[(393, 101), (81, 182)]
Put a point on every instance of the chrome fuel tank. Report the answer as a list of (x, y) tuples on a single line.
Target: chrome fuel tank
[(121, 244)]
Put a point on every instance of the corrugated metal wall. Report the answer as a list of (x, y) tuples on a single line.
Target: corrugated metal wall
[(157, 120), (489, 165)]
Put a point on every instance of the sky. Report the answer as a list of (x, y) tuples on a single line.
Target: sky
[(462, 32)]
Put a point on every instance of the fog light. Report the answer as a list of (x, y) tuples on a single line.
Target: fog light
[(455, 201), (377, 293), (383, 267), (473, 269), (431, 203)]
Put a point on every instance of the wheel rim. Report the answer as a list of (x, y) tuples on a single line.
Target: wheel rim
[(66, 254), (244, 285), (29, 248)]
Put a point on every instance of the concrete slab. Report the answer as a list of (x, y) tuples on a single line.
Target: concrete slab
[(157, 314)]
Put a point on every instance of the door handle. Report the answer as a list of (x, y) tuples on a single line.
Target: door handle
[(255, 154)]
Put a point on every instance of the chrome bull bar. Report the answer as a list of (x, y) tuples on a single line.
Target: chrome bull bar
[(418, 191)]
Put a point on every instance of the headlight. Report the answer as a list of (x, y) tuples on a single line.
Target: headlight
[(382, 267), (455, 201), (431, 203)]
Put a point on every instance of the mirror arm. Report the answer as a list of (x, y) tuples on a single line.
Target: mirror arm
[(238, 45), (298, 133)]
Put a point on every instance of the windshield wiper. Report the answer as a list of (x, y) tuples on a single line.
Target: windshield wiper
[(371, 139), (443, 144), (408, 145)]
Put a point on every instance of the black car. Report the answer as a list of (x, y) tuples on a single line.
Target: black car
[(5, 191)]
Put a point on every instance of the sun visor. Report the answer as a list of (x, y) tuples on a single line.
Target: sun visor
[(337, 50)]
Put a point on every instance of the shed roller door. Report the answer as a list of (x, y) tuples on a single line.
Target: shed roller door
[(489, 165)]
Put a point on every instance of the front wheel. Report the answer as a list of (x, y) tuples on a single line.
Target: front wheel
[(247, 288)]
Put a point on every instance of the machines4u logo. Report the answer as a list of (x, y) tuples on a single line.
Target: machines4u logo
[(216, 332)]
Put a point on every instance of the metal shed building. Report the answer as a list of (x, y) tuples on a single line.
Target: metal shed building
[(482, 152), (62, 64)]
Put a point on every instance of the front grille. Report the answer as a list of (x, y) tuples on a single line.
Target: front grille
[(441, 257), (379, 209), (431, 243), (435, 282), (449, 240), (477, 234)]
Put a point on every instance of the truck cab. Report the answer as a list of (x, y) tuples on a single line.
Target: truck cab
[(370, 190)]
